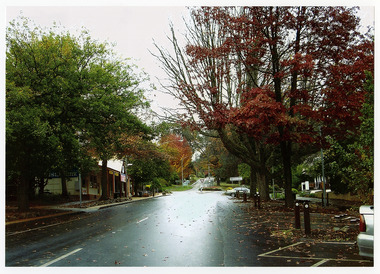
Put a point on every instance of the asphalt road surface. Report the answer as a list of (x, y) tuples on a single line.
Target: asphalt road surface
[(190, 228), (176, 230)]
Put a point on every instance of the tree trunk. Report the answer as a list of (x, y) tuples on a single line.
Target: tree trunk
[(262, 185), (286, 152), (104, 182), (262, 178), (41, 186), (63, 185), (23, 194), (252, 182)]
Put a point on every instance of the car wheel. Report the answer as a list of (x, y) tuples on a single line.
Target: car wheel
[(233, 195)]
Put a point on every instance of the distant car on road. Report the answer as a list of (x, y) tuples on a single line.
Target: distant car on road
[(366, 227), (241, 189)]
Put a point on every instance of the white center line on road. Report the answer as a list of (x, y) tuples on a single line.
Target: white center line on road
[(62, 257), (142, 220)]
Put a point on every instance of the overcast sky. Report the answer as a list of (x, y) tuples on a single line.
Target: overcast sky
[(132, 28)]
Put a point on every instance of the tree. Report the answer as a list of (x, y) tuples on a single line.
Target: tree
[(245, 172), (271, 75), (179, 153), (70, 96), (113, 97), (27, 140), (353, 162), (214, 157), (42, 104), (149, 167)]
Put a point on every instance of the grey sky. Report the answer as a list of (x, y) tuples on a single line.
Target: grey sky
[(132, 28)]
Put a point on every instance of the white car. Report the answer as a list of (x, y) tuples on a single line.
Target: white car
[(366, 227), (241, 189)]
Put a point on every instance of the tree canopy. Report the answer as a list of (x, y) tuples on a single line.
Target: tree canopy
[(263, 76), (69, 99)]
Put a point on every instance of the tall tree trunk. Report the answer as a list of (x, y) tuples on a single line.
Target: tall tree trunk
[(286, 152), (104, 182), (262, 183), (262, 178), (23, 194)]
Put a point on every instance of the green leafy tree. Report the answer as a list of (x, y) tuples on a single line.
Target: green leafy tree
[(353, 163), (149, 170), (110, 109), (68, 98), (245, 171), (28, 142), (41, 82)]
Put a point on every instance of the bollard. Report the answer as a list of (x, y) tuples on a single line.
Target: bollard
[(237, 195), (327, 197), (244, 197), (258, 200), (307, 218), (297, 215)]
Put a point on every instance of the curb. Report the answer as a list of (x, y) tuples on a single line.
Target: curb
[(121, 203), (42, 217), (69, 211)]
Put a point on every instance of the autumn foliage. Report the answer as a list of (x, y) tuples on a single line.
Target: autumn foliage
[(179, 153), (274, 75)]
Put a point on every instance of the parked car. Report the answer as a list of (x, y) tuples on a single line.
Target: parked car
[(241, 189), (366, 228)]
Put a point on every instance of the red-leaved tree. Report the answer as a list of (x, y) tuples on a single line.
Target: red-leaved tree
[(179, 153), (271, 75)]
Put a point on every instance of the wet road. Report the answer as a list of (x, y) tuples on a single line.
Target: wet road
[(177, 230), (190, 228)]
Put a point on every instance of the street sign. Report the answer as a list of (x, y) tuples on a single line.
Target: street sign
[(234, 179)]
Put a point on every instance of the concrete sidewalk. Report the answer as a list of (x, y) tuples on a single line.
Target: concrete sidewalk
[(74, 208)]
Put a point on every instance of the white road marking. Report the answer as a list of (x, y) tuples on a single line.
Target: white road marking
[(142, 220), (62, 257), (320, 263), (281, 248), (37, 228), (320, 260)]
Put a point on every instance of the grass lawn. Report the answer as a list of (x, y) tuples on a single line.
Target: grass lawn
[(224, 186), (177, 188)]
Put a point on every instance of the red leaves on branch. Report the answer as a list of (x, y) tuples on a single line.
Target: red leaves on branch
[(258, 113), (276, 73)]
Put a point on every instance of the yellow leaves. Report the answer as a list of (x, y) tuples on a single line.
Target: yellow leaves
[(178, 150), (66, 50)]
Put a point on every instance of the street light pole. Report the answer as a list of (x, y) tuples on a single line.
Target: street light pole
[(182, 170), (80, 188), (126, 175), (324, 196)]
